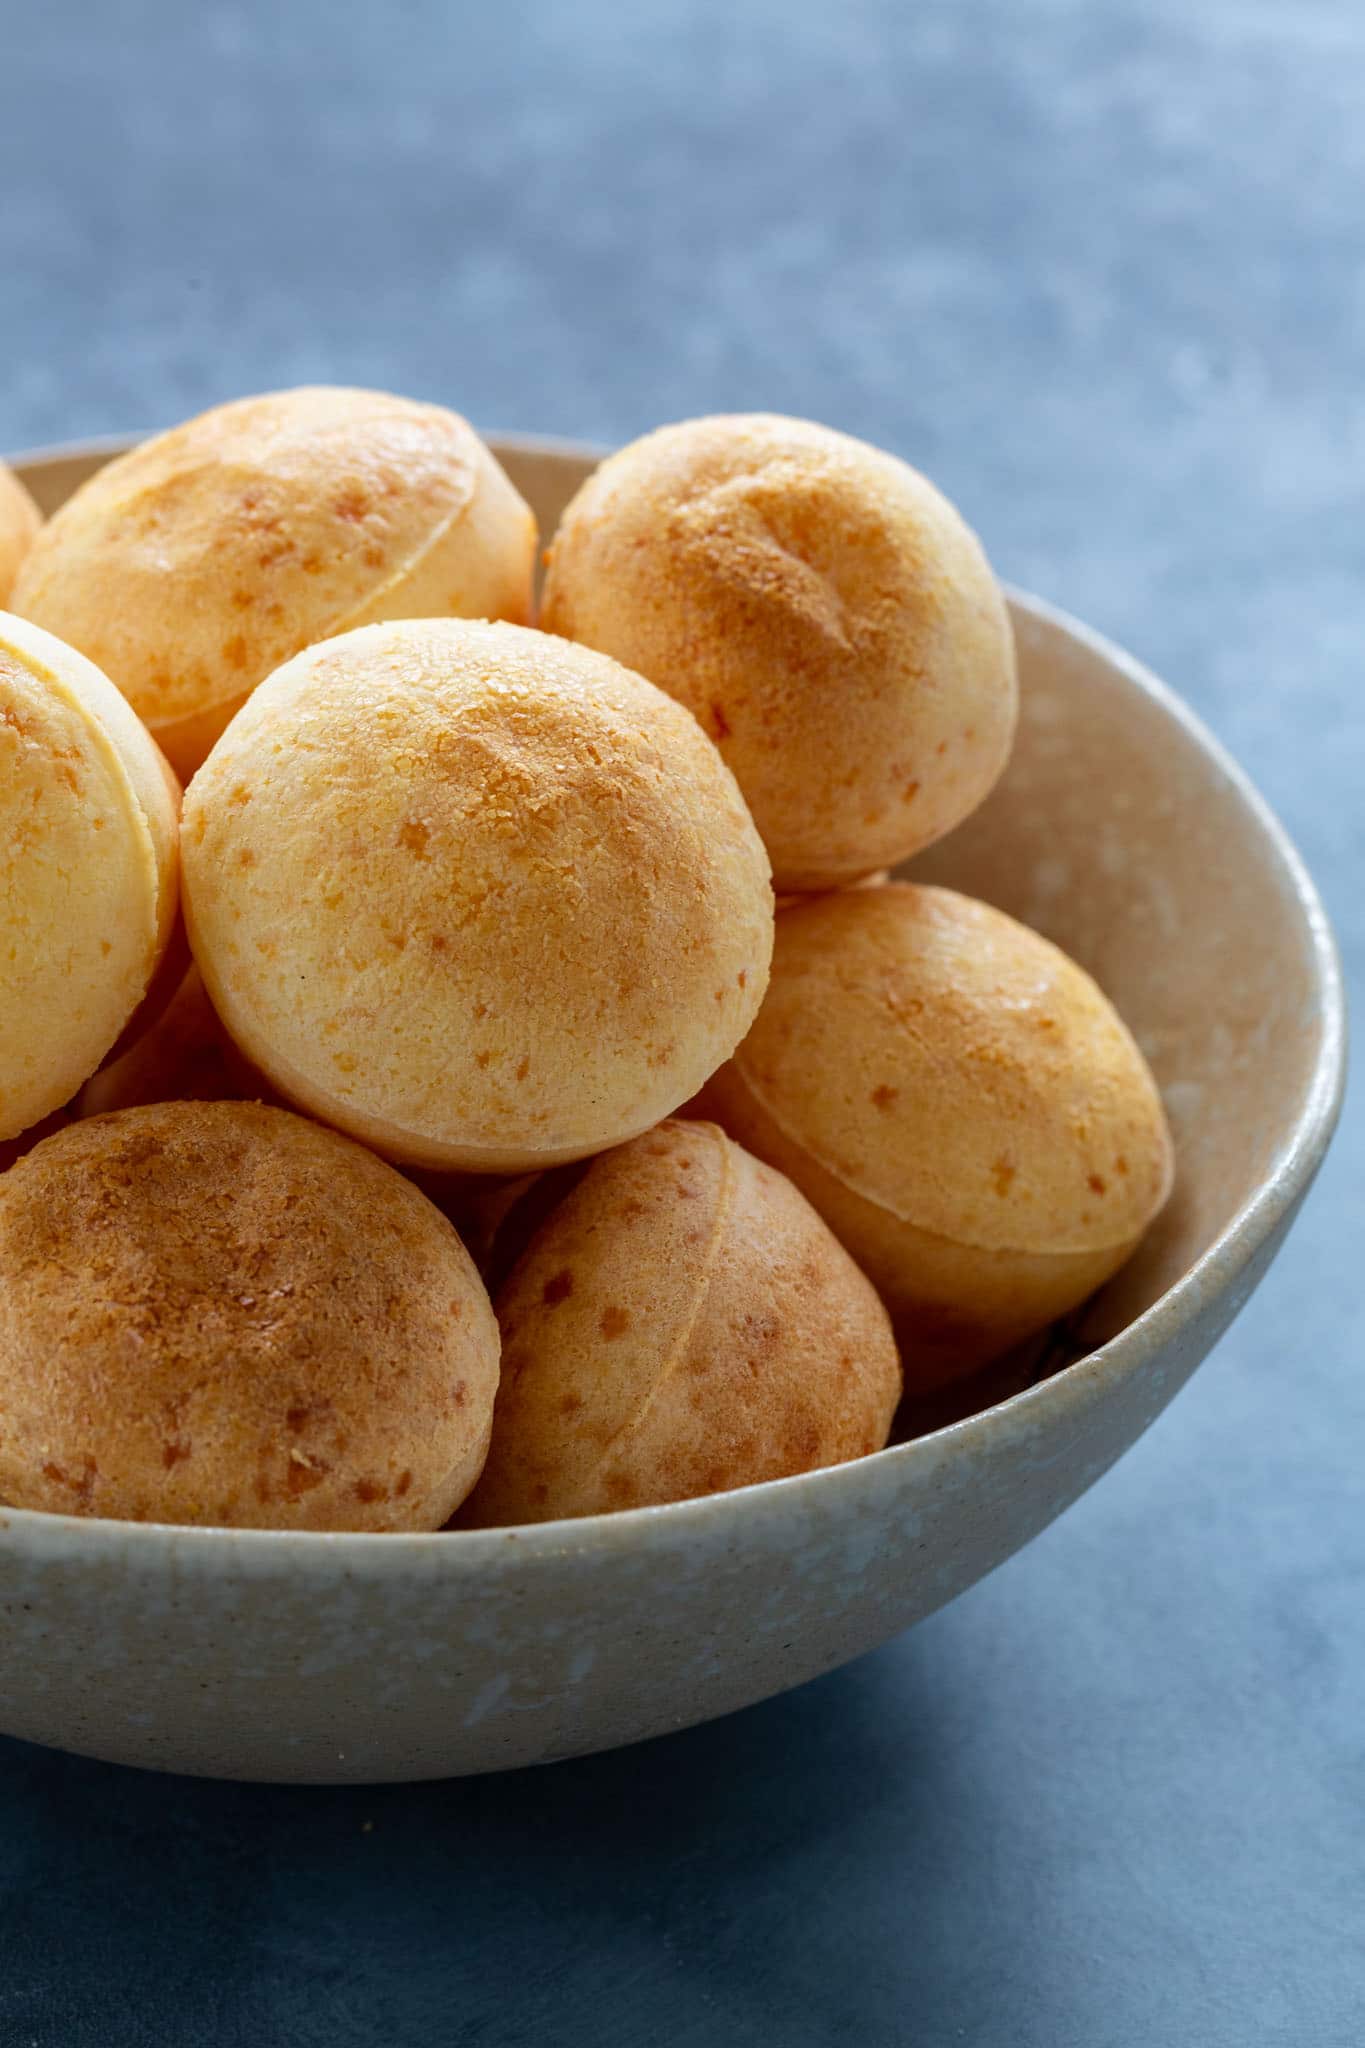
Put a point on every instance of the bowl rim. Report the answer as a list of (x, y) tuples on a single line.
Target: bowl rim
[(1286, 1180), (47, 453)]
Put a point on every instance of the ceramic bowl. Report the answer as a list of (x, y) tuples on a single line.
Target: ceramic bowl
[(1122, 830)]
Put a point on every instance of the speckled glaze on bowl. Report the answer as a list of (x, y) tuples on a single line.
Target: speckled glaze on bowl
[(1121, 830)]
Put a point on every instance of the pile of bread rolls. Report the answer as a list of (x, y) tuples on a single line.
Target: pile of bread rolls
[(431, 1120)]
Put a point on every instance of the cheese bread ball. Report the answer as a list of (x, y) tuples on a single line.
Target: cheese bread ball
[(825, 613), (679, 1323), (217, 1312), (88, 827), (184, 1056), (19, 523), (962, 1105), (194, 565), (483, 899)]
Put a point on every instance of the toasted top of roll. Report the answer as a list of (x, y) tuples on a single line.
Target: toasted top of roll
[(195, 564), (958, 1070), (678, 1322), (265, 1326), (823, 610), (477, 896)]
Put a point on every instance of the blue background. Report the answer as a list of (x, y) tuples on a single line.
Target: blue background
[(1100, 268)]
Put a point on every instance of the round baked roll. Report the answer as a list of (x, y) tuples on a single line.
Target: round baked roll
[(483, 899), (192, 566), (88, 826), (217, 1312), (19, 523), (679, 1322), (963, 1106), (822, 609)]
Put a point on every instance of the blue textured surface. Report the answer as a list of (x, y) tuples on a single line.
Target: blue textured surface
[(1101, 269)]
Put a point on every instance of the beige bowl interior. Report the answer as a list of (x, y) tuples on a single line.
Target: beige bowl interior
[(1120, 830)]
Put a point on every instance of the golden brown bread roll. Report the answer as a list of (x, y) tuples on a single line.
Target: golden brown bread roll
[(89, 827), (679, 1323), (220, 1313), (962, 1105), (483, 899), (19, 523), (825, 613), (194, 565)]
